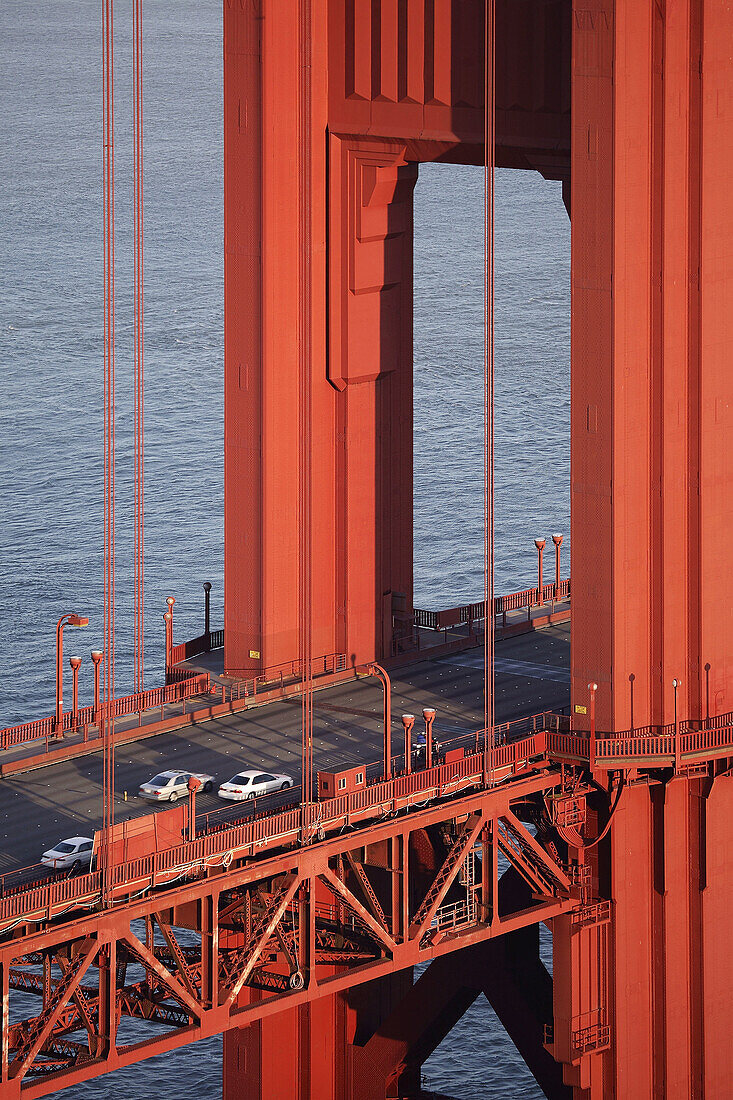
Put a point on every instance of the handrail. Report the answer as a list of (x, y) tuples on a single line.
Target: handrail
[(45, 728), (216, 845), (475, 612)]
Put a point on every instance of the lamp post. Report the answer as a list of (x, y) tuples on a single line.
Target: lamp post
[(675, 684), (193, 786), (408, 721), (557, 540), (592, 688), (97, 656), (540, 544), (383, 677), (69, 619), (168, 620), (429, 716), (75, 663), (207, 613)]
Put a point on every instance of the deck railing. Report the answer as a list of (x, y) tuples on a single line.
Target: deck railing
[(84, 719), (218, 845), (527, 599)]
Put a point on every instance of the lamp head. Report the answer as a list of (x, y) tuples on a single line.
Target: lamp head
[(168, 617), (97, 655), (170, 600), (207, 586), (557, 539), (540, 544)]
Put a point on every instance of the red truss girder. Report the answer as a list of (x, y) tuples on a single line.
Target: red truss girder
[(269, 927)]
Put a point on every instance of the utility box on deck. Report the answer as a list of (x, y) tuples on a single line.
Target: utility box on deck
[(331, 784)]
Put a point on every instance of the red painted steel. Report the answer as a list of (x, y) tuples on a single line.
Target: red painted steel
[(652, 471), (329, 108), (392, 85)]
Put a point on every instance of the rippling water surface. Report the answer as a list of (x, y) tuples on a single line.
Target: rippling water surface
[(50, 403)]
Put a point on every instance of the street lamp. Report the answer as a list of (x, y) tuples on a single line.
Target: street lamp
[(540, 544), (207, 613), (592, 688), (408, 721), (429, 716), (97, 656), (75, 663), (168, 620), (675, 684), (557, 539), (383, 677), (193, 786), (69, 619)]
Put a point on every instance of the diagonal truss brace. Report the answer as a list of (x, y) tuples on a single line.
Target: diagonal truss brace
[(182, 966), (261, 935), (148, 960), (83, 1007), (530, 858), (43, 1024), (340, 890), (372, 900), (445, 877)]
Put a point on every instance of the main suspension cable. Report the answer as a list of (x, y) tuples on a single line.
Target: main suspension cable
[(139, 357), (108, 214), (489, 162)]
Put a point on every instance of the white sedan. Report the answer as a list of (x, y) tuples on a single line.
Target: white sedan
[(75, 852), (172, 785), (251, 784)]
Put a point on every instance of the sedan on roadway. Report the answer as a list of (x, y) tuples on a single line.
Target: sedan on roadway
[(251, 784), (171, 785), (76, 853)]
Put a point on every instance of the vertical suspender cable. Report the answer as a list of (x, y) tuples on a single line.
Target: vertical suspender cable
[(489, 53), (108, 209), (139, 358), (305, 395)]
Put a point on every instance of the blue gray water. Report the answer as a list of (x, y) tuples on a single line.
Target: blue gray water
[(50, 400)]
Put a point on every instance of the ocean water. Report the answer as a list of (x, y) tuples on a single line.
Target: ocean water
[(51, 392)]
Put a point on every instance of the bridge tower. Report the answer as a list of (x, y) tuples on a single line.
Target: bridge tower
[(337, 120)]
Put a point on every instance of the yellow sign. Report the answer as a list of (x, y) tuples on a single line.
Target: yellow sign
[(578, 708), (254, 654)]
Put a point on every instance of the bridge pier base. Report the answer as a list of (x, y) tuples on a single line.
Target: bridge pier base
[(314, 1052)]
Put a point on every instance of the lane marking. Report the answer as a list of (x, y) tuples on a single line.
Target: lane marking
[(508, 667)]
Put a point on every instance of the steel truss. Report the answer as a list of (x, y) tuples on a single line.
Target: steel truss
[(235, 946)]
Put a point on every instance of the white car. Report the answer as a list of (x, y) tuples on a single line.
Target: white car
[(251, 784), (75, 852), (172, 785)]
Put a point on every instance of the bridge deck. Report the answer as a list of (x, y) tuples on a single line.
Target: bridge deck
[(64, 799)]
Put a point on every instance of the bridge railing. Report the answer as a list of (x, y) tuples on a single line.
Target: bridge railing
[(527, 599), (218, 845), (287, 673), (45, 728), (471, 612), (276, 830)]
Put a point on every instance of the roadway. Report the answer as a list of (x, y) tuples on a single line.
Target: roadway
[(40, 807)]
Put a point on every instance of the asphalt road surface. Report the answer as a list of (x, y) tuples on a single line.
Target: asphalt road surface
[(38, 808)]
